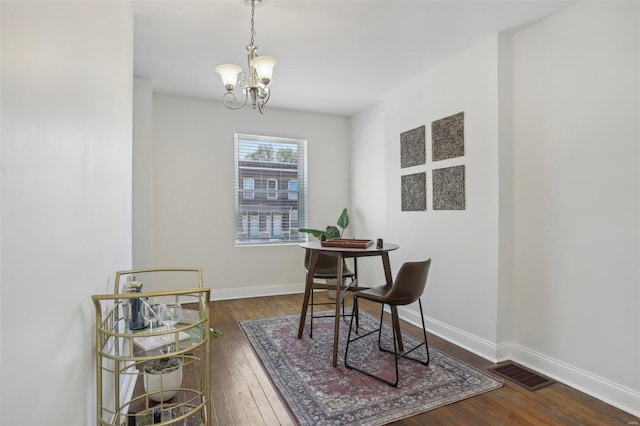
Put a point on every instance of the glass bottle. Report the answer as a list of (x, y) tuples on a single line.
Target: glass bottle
[(136, 320)]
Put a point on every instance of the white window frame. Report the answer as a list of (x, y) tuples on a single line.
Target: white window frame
[(263, 200), (293, 192), (248, 190), (293, 214), (272, 193)]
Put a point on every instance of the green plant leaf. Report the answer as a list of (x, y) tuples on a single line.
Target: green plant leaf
[(315, 232), (332, 232), (343, 220)]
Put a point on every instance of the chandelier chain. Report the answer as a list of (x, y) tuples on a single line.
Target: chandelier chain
[(253, 9)]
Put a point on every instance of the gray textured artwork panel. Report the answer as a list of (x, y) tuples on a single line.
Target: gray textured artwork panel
[(447, 137), (448, 188), (414, 192), (412, 147)]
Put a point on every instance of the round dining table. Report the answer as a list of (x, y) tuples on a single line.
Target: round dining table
[(340, 252)]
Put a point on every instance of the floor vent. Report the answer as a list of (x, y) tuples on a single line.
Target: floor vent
[(522, 376)]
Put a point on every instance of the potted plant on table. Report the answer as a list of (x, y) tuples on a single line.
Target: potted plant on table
[(331, 231)]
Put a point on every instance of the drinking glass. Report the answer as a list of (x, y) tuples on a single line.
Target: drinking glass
[(147, 312), (172, 314), (153, 313)]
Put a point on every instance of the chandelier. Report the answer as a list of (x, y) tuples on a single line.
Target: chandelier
[(255, 83)]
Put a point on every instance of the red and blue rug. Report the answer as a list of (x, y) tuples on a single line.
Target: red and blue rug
[(318, 394)]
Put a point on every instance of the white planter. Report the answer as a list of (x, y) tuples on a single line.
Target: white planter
[(168, 378)]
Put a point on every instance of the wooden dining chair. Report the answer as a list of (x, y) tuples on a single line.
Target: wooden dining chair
[(407, 288), (326, 269)]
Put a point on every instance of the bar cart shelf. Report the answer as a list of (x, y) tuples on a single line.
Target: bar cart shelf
[(126, 395)]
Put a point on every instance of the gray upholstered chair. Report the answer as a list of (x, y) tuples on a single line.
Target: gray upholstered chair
[(407, 288)]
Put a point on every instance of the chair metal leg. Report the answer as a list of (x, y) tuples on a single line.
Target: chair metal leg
[(406, 353), (380, 327), (355, 310), (395, 353), (424, 332), (312, 304), (395, 348), (378, 330), (346, 349), (311, 319)]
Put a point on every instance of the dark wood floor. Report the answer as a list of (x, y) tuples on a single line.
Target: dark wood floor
[(243, 395)]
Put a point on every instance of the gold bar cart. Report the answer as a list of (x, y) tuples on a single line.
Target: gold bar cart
[(125, 395)]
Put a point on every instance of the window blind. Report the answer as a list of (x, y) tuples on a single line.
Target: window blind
[(270, 189)]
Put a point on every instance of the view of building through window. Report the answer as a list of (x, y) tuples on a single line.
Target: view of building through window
[(270, 189)]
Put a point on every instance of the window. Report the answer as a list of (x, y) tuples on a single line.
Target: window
[(271, 185), (270, 189), (293, 220), (292, 186), (248, 184)]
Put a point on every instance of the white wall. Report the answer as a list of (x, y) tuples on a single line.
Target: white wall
[(142, 173), (193, 191), (576, 258), (368, 182), (66, 198), (505, 190), (462, 289), (543, 265)]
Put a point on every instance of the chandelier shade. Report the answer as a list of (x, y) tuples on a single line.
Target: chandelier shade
[(255, 83), (229, 74), (264, 68)]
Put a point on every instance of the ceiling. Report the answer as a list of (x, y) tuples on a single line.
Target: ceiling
[(334, 56)]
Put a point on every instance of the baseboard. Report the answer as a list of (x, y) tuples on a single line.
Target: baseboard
[(603, 389), (256, 291), (468, 341)]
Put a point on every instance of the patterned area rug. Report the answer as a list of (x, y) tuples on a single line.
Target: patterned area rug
[(318, 394)]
